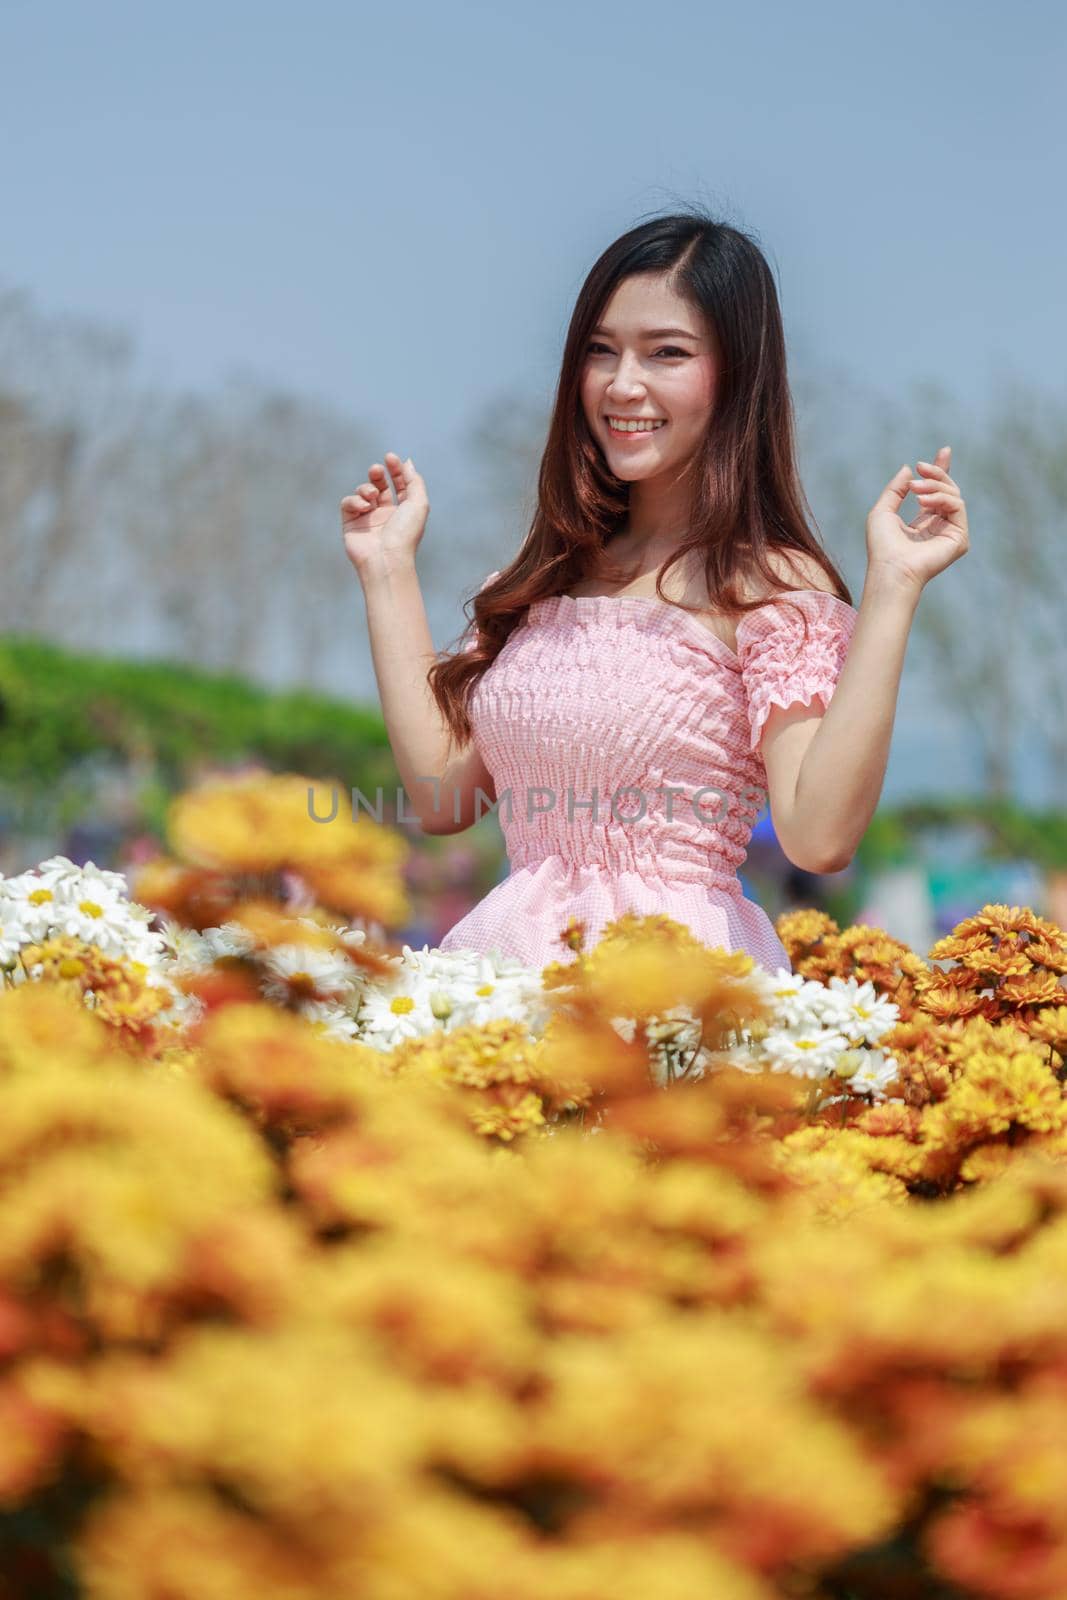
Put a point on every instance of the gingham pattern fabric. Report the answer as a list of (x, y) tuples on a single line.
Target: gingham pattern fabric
[(595, 709)]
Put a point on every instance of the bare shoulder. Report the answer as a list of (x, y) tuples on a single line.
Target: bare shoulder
[(795, 567)]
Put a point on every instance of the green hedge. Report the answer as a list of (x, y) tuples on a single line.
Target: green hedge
[(62, 711)]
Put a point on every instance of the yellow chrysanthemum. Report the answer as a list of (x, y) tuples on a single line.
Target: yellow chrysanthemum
[(113, 986), (262, 822)]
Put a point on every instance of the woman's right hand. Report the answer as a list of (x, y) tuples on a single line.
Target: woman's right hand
[(375, 530)]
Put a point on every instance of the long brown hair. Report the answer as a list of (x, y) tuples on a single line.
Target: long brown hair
[(747, 496)]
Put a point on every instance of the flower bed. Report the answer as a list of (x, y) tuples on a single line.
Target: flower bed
[(315, 1281)]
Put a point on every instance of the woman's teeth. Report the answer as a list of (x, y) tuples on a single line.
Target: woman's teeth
[(634, 427)]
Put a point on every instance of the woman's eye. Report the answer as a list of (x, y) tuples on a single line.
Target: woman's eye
[(670, 349)]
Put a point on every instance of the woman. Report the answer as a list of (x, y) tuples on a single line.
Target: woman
[(671, 646)]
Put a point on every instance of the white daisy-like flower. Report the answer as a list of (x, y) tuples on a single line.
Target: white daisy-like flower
[(289, 966), (864, 1013), (771, 987), (84, 903), (502, 998), (469, 987), (431, 959), (875, 1075), (184, 1009), (29, 907), (229, 939), (745, 1057), (401, 1011), (368, 928), (785, 993), (142, 944), (60, 871), (829, 1009), (487, 965), (12, 937), (94, 916), (332, 1019), (809, 1053), (184, 946)]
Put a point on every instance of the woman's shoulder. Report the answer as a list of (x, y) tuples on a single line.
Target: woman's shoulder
[(806, 625), (795, 567)]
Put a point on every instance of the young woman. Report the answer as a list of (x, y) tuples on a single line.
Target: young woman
[(671, 646)]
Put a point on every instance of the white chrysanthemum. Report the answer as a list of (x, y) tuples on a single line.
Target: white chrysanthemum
[(94, 917), (785, 993), (142, 944), (61, 898), (28, 908), (809, 1053), (469, 987), (332, 1019), (184, 947), (328, 972), (523, 999), (434, 962), (228, 939), (486, 964), (404, 1010), (476, 965), (829, 1008), (771, 987), (185, 1010), (463, 1006), (859, 1010), (875, 1075), (12, 936), (745, 1057), (60, 870), (434, 989)]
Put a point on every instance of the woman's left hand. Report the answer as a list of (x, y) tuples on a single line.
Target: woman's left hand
[(918, 550)]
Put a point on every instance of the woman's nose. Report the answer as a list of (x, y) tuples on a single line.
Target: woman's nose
[(627, 377)]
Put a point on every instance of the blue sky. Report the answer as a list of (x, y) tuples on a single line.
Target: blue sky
[(392, 208)]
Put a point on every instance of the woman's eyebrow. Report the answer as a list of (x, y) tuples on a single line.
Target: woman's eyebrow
[(657, 333)]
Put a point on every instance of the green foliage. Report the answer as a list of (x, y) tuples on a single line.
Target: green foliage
[(895, 835), (63, 712), (886, 843)]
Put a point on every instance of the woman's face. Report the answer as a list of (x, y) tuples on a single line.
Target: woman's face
[(652, 356)]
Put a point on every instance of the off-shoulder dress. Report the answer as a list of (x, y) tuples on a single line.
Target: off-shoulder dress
[(623, 739)]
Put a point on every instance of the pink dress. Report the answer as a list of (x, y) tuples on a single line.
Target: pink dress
[(623, 736)]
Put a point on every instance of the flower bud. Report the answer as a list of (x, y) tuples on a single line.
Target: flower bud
[(848, 1062), (441, 1004)]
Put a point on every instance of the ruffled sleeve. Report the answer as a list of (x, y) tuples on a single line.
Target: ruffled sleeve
[(779, 666), (471, 639)]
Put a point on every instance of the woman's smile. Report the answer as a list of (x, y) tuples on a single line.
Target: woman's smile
[(629, 434)]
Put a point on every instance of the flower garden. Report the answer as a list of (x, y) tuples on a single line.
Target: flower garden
[(329, 1271)]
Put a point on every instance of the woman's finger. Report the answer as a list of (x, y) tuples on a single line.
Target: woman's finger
[(931, 469), (396, 469)]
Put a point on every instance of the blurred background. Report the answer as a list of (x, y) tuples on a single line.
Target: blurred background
[(248, 249)]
